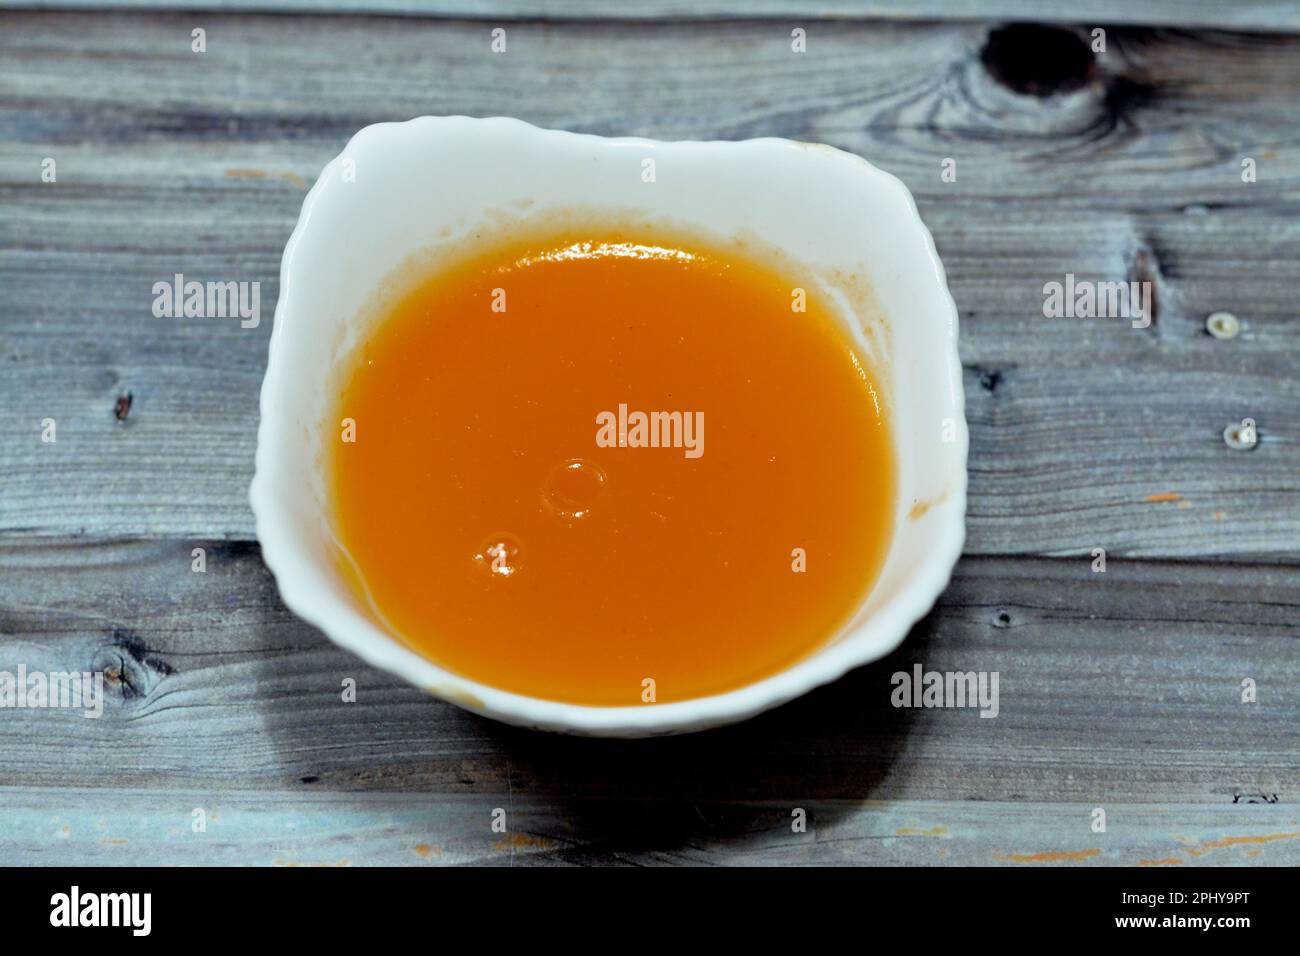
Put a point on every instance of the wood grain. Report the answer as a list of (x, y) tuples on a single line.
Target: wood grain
[(1118, 690), (1246, 15), (1123, 685), (311, 828), (1075, 423)]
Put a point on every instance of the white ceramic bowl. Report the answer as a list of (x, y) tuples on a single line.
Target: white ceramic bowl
[(405, 189)]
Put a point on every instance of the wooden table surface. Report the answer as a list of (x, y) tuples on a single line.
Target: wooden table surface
[(1119, 690)]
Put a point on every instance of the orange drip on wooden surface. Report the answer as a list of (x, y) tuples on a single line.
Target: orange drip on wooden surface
[(506, 517)]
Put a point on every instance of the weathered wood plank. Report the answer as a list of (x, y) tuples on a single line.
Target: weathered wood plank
[(1160, 119), (89, 827), (1248, 15), (1075, 423), (1068, 447), (1123, 686)]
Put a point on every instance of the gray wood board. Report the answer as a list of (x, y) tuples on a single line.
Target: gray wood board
[(1247, 15), (176, 162), (1119, 691), (314, 828), (1122, 685)]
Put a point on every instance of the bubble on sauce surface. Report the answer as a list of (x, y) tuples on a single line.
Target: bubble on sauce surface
[(573, 488), (499, 556)]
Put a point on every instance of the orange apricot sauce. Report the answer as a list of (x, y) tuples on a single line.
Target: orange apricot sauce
[(611, 469)]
